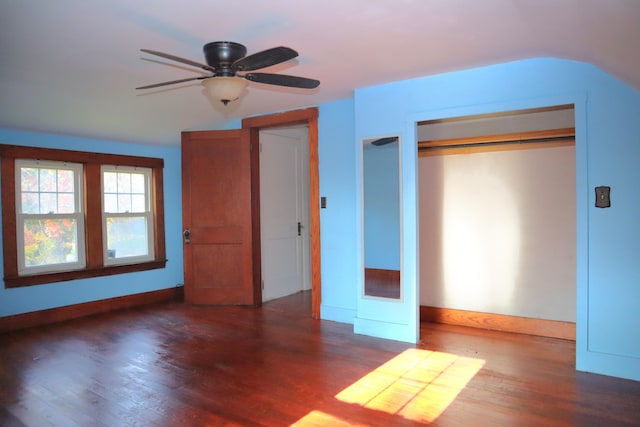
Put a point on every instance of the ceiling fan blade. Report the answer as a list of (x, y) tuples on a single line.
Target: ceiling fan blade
[(178, 59), (171, 82), (282, 80), (264, 58), (384, 141)]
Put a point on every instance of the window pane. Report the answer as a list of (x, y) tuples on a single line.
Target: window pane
[(124, 182), (110, 182), (30, 203), (47, 190), (138, 203), (48, 203), (29, 179), (110, 203), (66, 203), (47, 180), (65, 181), (127, 237), (137, 183), (50, 241), (124, 203)]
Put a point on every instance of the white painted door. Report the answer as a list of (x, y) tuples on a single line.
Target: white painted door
[(282, 208)]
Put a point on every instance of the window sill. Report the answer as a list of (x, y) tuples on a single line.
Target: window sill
[(39, 279)]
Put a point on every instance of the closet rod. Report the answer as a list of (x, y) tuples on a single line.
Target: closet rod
[(494, 143)]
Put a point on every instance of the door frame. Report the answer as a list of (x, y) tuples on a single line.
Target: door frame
[(308, 116)]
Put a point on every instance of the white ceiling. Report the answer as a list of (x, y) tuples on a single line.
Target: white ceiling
[(70, 66)]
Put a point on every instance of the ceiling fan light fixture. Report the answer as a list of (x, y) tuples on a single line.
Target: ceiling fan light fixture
[(224, 89)]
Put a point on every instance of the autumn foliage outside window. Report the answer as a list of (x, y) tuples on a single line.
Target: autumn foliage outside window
[(49, 216), (72, 214)]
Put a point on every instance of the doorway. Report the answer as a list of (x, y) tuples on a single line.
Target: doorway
[(284, 211), (308, 117), (498, 222)]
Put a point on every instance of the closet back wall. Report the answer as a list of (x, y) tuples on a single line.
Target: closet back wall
[(498, 232)]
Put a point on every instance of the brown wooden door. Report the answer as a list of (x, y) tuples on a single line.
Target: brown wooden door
[(216, 209)]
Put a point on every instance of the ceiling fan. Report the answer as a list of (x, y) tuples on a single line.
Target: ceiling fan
[(385, 141), (230, 69)]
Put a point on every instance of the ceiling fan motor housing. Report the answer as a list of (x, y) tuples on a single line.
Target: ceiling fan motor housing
[(221, 55)]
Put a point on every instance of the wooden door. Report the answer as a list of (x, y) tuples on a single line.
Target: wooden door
[(216, 209)]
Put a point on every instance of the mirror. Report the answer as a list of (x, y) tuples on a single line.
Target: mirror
[(381, 216)]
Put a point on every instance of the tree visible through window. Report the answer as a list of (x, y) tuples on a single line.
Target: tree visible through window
[(49, 216), (73, 214), (127, 214)]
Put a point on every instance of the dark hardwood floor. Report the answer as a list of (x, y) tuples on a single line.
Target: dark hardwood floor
[(180, 365), (382, 283)]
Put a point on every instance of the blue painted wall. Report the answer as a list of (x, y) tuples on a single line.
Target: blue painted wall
[(607, 153), (338, 246), (41, 297)]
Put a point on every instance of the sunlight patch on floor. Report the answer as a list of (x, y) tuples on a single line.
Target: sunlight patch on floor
[(322, 419), (417, 384)]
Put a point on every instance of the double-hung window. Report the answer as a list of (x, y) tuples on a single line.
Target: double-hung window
[(126, 215), (71, 214), (49, 217)]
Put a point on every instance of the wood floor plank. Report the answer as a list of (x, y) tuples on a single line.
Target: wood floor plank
[(179, 365)]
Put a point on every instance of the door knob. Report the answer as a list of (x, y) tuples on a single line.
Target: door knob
[(187, 236)]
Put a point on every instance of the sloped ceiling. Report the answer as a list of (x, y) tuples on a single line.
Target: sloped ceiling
[(71, 66)]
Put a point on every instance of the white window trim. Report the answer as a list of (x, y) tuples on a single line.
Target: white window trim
[(78, 216), (147, 214)]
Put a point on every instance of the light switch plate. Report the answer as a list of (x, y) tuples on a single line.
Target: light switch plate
[(603, 199)]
